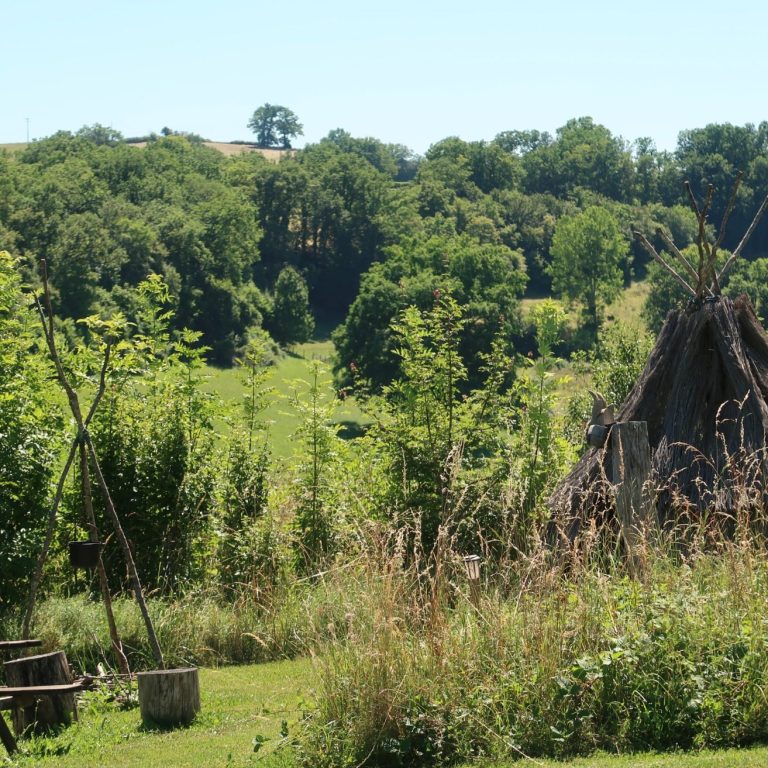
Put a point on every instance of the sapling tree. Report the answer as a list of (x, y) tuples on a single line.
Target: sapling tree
[(83, 437), (318, 436), (431, 435), (539, 451), (245, 538)]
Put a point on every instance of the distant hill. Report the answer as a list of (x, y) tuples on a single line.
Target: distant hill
[(226, 148)]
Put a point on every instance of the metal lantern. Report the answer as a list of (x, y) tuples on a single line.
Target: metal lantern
[(472, 564)]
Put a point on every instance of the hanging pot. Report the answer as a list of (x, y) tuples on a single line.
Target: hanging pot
[(84, 554)]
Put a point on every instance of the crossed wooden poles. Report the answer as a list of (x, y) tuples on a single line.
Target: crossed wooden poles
[(83, 444), (704, 280)]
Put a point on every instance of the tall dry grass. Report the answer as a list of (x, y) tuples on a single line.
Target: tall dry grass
[(563, 654)]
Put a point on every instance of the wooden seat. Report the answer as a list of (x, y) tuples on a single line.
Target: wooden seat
[(41, 690), (19, 645)]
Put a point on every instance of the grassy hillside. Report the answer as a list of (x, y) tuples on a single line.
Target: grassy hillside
[(627, 308), (289, 377)]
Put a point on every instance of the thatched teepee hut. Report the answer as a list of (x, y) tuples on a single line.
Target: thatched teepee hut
[(703, 394)]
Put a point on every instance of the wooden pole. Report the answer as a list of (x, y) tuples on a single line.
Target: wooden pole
[(46, 317), (631, 468), (129, 561), (117, 645)]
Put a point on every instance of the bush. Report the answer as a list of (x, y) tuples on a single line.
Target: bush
[(30, 437)]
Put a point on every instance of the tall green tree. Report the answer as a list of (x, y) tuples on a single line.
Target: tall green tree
[(275, 125), (587, 253), (291, 320)]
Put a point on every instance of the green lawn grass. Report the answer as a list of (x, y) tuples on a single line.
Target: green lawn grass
[(241, 704), (626, 309)]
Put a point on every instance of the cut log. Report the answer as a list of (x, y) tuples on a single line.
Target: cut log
[(169, 697), (41, 714)]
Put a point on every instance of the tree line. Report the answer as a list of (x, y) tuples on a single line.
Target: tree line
[(354, 230)]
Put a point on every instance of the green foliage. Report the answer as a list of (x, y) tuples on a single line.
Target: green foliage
[(435, 443), (249, 543), (30, 438), (486, 280), (154, 439), (587, 252), (751, 278), (314, 522), (538, 452), (547, 666), (275, 126), (616, 364), (291, 320), (621, 356)]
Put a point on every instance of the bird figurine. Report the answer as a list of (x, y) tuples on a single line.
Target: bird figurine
[(601, 418)]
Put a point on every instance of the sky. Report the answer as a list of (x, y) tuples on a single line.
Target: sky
[(408, 72)]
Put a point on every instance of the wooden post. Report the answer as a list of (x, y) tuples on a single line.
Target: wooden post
[(117, 645), (40, 713), (169, 697), (631, 468)]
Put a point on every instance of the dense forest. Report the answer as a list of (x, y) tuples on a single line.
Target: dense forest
[(353, 230)]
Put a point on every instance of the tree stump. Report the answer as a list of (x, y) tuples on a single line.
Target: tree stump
[(169, 697), (40, 713)]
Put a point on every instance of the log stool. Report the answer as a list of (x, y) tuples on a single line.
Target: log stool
[(37, 712), (169, 697)]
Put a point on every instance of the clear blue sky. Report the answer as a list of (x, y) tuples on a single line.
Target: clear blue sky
[(408, 72)]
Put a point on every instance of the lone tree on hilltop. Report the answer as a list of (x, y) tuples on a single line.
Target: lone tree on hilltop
[(275, 126)]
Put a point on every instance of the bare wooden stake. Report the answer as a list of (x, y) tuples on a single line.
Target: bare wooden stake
[(649, 247), (677, 252), (735, 255), (117, 645), (631, 467)]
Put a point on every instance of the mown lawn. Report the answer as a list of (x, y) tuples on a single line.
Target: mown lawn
[(250, 704), (239, 704)]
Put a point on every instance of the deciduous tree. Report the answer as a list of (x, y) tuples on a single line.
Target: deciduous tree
[(587, 251), (275, 125)]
